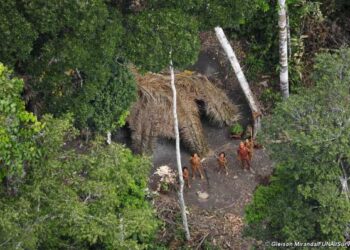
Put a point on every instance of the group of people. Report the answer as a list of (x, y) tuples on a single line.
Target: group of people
[(244, 155)]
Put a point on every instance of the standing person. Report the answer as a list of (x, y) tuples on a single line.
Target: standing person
[(250, 146), (186, 176), (222, 161), (196, 166), (243, 155)]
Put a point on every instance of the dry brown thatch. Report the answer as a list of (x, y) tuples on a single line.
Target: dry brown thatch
[(151, 116)]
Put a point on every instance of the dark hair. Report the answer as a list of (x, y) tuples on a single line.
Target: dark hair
[(184, 168), (194, 153), (223, 154)]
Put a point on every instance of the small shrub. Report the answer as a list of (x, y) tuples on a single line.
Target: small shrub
[(236, 129)]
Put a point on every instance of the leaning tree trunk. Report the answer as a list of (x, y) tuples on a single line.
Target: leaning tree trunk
[(241, 78), (283, 48), (178, 156)]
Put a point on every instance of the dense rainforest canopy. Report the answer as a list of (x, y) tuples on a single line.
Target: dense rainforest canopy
[(65, 74), (71, 52), (54, 196), (308, 136), (73, 57)]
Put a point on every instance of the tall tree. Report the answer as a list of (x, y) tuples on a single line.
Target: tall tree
[(178, 156), (283, 48), (241, 78)]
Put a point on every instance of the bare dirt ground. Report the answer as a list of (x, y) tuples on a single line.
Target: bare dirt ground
[(218, 220)]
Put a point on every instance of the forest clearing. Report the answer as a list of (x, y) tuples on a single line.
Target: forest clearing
[(227, 194), (220, 216), (173, 124)]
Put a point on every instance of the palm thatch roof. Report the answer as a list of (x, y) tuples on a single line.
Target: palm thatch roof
[(151, 116)]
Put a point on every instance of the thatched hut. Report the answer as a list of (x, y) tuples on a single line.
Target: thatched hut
[(151, 116)]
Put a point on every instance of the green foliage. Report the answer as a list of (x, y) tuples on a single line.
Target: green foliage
[(224, 13), (122, 119), (164, 186), (174, 25), (74, 70), (18, 128), (236, 129), (262, 36), (70, 60), (67, 50), (308, 137), (76, 200), (66, 199), (270, 97), (16, 34), (106, 107), (153, 34), (94, 198)]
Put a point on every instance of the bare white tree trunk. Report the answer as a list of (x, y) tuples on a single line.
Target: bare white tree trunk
[(109, 137), (241, 78), (178, 156), (344, 182), (289, 43), (344, 185), (283, 48)]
